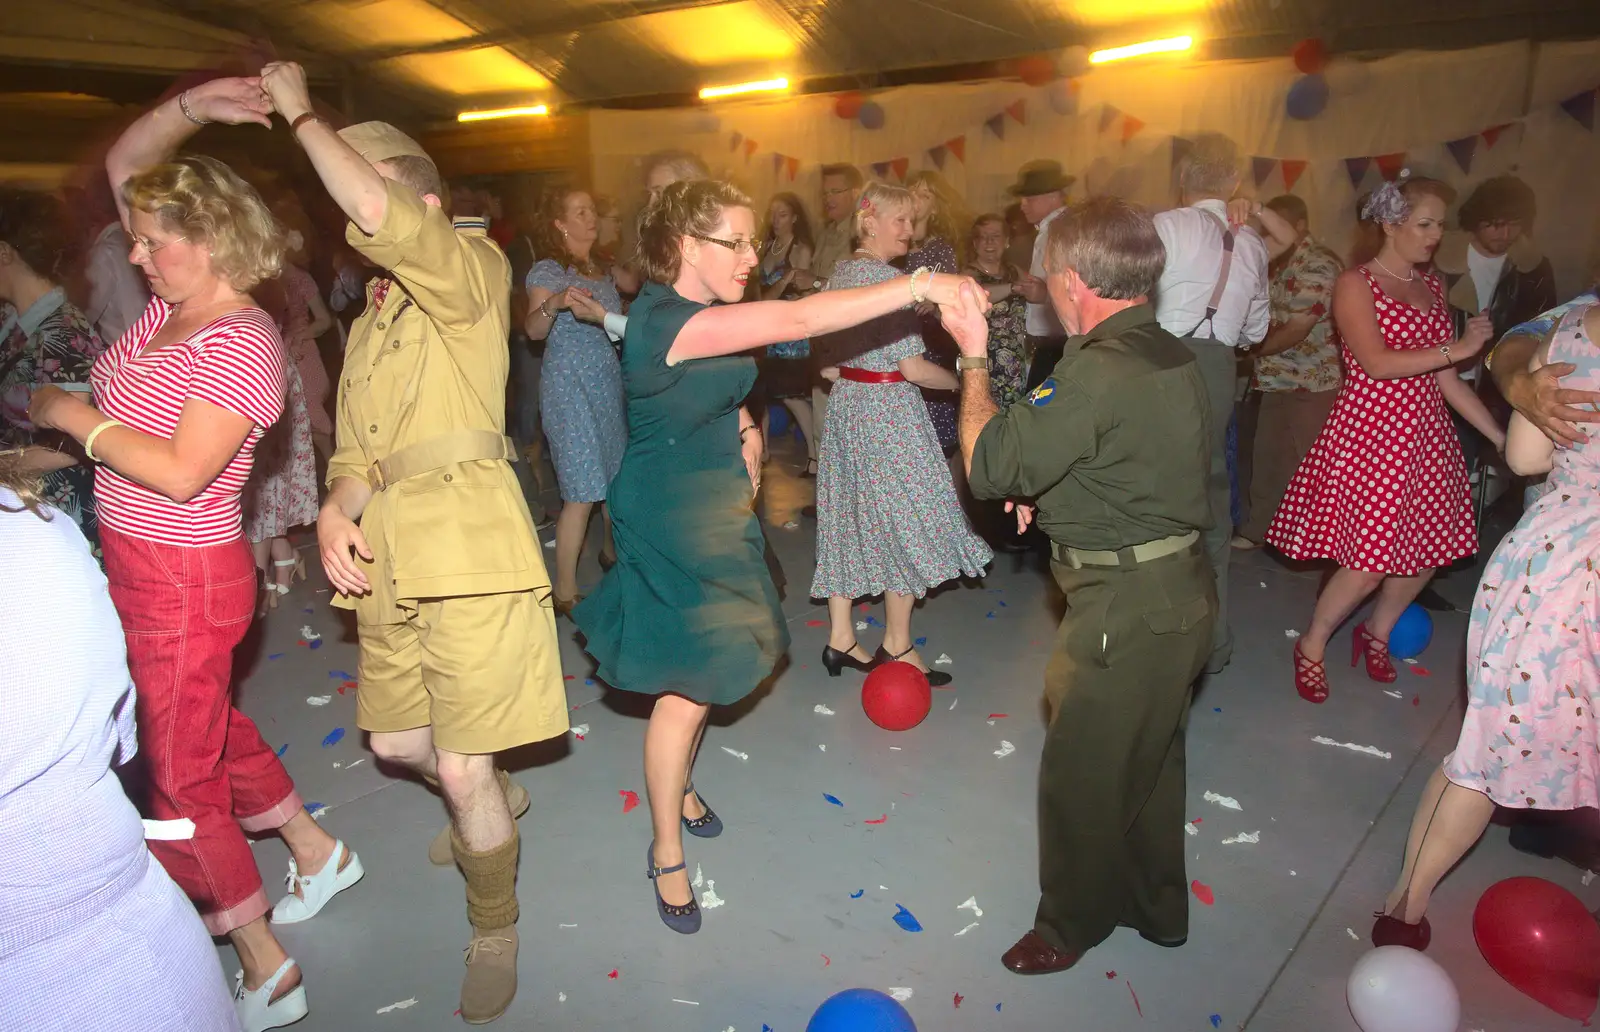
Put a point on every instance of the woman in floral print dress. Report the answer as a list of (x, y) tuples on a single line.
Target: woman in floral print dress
[(1533, 659), (1008, 332)]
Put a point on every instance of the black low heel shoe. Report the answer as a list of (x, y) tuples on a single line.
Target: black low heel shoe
[(936, 678), (836, 661)]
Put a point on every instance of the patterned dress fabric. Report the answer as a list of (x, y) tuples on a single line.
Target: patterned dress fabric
[(299, 288), (1303, 285), (888, 518), (282, 491), (1384, 488), (690, 606), (52, 342), (1008, 342), (938, 255), (1533, 643), (580, 392)]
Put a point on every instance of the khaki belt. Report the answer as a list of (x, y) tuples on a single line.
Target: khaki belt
[(443, 450), (1077, 558)]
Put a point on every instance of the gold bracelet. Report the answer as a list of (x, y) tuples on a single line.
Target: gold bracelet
[(88, 442)]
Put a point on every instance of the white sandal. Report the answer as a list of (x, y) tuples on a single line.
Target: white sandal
[(317, 889), (258, 1011)]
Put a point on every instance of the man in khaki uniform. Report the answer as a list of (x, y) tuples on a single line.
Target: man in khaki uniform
[(459, 656), (1113, 444)]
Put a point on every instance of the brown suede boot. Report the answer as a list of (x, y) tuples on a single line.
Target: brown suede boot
[(439, 852), (491, 980)]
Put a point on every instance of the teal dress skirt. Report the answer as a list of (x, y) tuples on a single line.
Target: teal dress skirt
[(690, 606)]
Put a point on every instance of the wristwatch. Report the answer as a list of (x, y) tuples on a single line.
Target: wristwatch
[(1444, 349), (973, 362)]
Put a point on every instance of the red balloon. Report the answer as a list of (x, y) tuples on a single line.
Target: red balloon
[(896, 696), (1036, 70), (1310, 55), (848, 105), (1537, 936)]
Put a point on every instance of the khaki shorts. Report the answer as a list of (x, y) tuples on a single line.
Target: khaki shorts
[(483, 670)]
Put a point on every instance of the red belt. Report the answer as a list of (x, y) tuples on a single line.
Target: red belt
[(868, 376)]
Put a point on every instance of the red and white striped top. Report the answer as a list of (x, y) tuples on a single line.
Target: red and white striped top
[(235, 362)]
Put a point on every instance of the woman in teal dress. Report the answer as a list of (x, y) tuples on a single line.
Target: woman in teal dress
[(689, 613)]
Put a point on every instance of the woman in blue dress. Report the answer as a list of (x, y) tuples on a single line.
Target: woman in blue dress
[(689, 613), (580, 391)]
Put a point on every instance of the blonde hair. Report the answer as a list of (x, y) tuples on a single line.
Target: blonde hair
[(24, 484), (874, 199), (208, 203), (689, 207)]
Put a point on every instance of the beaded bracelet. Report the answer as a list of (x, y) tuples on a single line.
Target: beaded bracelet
[(183, 105)]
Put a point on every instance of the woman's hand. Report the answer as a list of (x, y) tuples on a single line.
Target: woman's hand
[(1479, 330), (751, 448), (963, 318), (943, 289), (1241, 210), (584, 307), (1024, 513), (234, 101), (48, 406), (337, 538), (830, 373)]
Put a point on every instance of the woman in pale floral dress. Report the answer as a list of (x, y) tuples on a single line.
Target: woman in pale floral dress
[(888, 520), (1533, 659)]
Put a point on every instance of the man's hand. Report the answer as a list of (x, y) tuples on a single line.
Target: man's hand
[(1552, 408), (284, 83), (339, 541), (1033, 290), (964, 320), (232, 101), (1024, 513)]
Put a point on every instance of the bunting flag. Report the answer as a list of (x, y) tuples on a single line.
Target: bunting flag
[(1180, 149), (1357, 170), (735, 140), (792, 167), (1292, 169), (1019, 111), (1261, 168), (1463, 150), (936, 155), (1391, 165), (1130, 127), (901, 166), (958, 147), (997, 125), (1492, 134), (1108, 114), (1581, 107), (880, 169), (750, 148), (777, 164)]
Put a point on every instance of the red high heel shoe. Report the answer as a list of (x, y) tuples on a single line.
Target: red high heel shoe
[(1391, 931), (1310, 678), (1379, 666)]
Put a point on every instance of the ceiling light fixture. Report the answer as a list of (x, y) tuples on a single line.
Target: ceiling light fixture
[(761, 86), (510, 112), (1174, 45)]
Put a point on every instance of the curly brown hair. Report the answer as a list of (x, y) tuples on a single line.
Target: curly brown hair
[(549, 241), (690, 207)]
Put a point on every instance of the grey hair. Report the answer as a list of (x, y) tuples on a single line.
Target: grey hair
[(1211, 168), (1111, 245)]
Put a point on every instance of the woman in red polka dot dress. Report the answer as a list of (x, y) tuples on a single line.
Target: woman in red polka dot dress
[(1383, 491)]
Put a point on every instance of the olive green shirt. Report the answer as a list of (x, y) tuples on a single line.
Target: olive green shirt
[(1114, 445)]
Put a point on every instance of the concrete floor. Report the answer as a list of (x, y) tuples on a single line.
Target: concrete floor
[(811, 889)]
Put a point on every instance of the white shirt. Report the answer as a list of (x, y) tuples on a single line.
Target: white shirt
[(1193, 238), (1041, 319), (1485, 273)]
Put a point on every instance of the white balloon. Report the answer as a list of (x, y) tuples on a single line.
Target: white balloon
[(1074, 61), (1396, 989)]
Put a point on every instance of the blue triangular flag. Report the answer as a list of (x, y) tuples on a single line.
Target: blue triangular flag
[(937, 154), (1581, 107), (1261, 168), (880, 169), (1357, 169), (997, 125), (1463, 150), (1108, 115)]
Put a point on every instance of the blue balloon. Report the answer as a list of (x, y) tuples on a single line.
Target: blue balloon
[(1411, 634), (778, 419), (861, 1010), (871, 115), (1307, 97)]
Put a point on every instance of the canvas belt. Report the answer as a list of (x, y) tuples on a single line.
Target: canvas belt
[(1133, 555), (444, 450)]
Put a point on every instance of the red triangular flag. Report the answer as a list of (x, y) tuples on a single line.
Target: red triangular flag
[(958, 147), (1291, 171), (1130, 127), (1019, 111), (1492, 134), (750, 148), (901, 166), (793, 167), (1390, 165)]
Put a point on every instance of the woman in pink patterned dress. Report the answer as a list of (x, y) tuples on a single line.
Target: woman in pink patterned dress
[(1533, 659), (1383, 491), (306, 319)]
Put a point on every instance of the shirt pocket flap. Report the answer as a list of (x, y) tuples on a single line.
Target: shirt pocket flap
[(1179, 619)]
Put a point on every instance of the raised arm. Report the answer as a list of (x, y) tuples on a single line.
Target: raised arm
[(726, 329), (1358, 324), (158, 133), (352, 182)]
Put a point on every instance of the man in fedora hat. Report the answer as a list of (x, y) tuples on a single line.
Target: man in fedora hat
[(1041, 191), (459, 655)]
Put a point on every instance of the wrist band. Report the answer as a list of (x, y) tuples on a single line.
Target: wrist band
[(973, 362), (88, 442), (746, 430), (183, 105), (917, 299), (302, 119)]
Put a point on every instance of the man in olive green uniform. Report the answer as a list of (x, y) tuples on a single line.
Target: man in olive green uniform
[(459, 656), (1113, 445)]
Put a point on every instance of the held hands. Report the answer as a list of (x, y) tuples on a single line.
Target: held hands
[(963, 319), (231, 101), (284, 84), (943, 289), (584, 307), (339, 541)]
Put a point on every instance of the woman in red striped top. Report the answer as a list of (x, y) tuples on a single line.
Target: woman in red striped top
[(180, 404)]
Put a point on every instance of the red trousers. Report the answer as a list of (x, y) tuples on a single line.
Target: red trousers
[(183, 611)]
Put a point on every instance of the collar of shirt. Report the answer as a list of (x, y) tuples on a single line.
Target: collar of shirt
[(1115, 325), (39, 311)]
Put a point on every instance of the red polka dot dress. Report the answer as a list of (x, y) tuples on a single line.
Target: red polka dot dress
[(1384, 488)]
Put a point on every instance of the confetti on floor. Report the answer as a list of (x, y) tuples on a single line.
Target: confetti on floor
[(972, 905), (1006, 748), (943, 660), (345, 686), (614, 974), (1393, 695), (318, 700), (333, 738), (561, 997), (1416, 700), (1226, 802), (1588, 876), (276, 655), (1421, 671), (921, 642), (1368, 749), (858, 893), (1250, 838), (1190, 829), (906, 919), (953, 703), (816, 623), (283, 750), (1291, 633), (580, 731), (998, 716), (736, 754), (822, 748), (967, 929), (819, 708), (861, 625), (341, 675), (957, 1000), (832, 799), (881, 820), (1216, 1021), (569, 926), (1352, 933), (399, 1005), (692, 1003), (630, 799), (1202, 892), (1138, 1009), (307, 634), (900, 992)]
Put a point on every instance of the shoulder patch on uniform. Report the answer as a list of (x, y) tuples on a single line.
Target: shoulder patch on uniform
[(1042, 394)]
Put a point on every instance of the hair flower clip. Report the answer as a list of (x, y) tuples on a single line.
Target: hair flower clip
[(1387, 204)]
